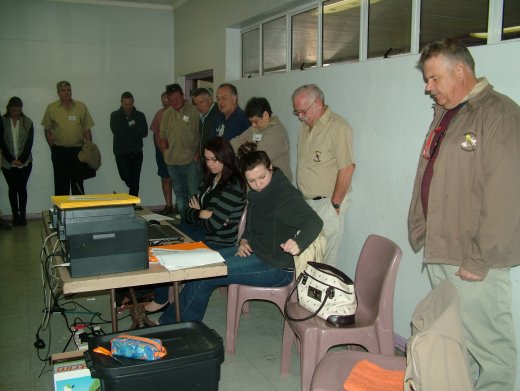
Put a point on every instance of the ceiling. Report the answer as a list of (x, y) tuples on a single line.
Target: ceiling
[(150, 4)]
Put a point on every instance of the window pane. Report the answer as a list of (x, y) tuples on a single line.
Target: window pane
[(305, 39), (511, 20), (340, 30), (250, 53), (389, 26), (274, 43), (461, 19)]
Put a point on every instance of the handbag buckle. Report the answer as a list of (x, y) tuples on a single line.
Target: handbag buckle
[(330, 292), (314, 293)]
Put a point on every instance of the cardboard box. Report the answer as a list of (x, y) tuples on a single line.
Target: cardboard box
[(71, 373)]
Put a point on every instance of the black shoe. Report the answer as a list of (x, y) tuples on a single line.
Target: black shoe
[(16, 219), (4, 225), (22, 220), (167, 210)]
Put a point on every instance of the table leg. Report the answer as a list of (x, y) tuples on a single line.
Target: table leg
[(177, 304), (113, 309)]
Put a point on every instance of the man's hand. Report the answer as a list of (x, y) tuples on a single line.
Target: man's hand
[(466, 275)]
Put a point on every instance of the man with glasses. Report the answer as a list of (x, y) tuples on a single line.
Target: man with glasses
[(465, 208), (67, 124), (325, 163)]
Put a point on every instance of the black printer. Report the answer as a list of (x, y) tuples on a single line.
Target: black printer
[(102, 240)]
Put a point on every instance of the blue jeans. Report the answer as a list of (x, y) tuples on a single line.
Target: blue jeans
[(185, 183), (161, 292), (250, 270)]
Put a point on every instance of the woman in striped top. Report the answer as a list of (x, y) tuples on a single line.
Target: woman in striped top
[(214, 213)]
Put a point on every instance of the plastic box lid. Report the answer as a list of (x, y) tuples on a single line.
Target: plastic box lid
[(186, 344)]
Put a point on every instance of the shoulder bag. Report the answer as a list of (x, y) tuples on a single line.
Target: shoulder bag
[(326, 292)]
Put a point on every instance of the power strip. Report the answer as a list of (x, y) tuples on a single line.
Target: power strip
[(82, 335)]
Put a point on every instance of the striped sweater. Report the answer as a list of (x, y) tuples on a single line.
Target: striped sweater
[(227, 205)]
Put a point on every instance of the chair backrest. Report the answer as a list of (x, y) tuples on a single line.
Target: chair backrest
[(376, 274)]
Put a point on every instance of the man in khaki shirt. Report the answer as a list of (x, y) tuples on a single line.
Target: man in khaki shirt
[(325, 163), (67, 123), (179, 141)]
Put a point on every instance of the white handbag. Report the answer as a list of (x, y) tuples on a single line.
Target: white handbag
[(326, 292)]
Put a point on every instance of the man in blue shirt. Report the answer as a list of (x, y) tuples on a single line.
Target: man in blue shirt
[(233, 120)]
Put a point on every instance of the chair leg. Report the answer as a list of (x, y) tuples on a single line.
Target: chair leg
[(287, 342), (311, 354), (232, 309)]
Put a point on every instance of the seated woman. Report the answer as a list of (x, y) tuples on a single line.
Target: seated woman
[(214, 213), (279, 224)]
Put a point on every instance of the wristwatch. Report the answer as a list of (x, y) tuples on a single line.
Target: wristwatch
[(335, 206)]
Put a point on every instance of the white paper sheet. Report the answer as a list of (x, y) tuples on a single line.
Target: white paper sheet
[(155, 216), (184, 259)]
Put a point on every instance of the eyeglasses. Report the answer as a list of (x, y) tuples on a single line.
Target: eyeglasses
[(297, 113)]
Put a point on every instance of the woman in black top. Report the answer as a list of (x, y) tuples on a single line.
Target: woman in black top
[(16, 140)]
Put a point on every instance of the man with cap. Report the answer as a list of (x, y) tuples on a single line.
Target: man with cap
[(179, 134)]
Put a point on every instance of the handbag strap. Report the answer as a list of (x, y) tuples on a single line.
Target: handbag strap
[(328, 294)]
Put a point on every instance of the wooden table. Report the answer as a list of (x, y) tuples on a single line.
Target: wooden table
[(156, 274)]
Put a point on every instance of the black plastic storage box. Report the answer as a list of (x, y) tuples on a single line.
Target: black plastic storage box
[(192, 362)]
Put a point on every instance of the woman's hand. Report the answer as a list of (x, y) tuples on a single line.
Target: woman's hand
[(16, 163), (205, 214), (244, 249), (194, 202), (290, 247)]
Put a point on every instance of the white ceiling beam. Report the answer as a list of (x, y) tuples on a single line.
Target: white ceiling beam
[(121, 3)]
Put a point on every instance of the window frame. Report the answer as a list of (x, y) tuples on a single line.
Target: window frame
[(495, 17)]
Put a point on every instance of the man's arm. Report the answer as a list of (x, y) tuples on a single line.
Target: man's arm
[(48, 136), (343, 181), (163, 145), (87, 134)]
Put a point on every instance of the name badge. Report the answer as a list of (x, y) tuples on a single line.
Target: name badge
[(72, 118), (131, 123), (257, 137)]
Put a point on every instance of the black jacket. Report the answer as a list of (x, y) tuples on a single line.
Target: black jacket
[(275, 215), (128, 131)]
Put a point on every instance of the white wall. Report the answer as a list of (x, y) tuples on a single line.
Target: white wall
[(383, 99), (200, 33), (102, 51), (384, 102)]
